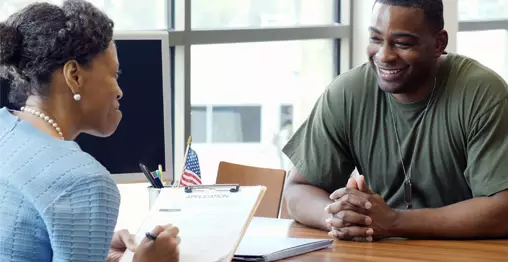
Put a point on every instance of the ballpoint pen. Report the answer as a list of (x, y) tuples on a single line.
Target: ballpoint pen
[(158, 181), (148, 175), (160, 174)]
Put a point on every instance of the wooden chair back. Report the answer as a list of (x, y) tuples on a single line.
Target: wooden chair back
[(273, 179)]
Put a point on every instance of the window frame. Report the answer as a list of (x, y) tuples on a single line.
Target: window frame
[(209, 117), (181, 37)]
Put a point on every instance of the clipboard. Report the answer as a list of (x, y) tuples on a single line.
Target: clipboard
[(212, 219), (217, 187)]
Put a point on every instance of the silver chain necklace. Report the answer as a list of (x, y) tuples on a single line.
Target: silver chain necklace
[(408, 198)]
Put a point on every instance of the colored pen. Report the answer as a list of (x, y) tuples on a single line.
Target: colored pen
[(160, 174), (157, 180), (151, 236), (148, 176)]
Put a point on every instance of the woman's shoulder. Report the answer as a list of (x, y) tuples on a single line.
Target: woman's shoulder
[(42, 170)]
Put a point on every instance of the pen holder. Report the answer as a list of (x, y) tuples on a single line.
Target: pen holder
[(153, 193)]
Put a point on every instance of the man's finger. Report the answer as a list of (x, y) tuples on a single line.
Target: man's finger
[(362, 186), (351, 183), (352, 233), (355, 200), (340, 205), (344, 218), (363, 239), (348, 191)]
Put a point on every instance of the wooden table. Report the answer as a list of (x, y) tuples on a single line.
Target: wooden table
[(386, 250)]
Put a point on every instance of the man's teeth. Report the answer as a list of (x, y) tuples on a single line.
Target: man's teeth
[(389, 72)]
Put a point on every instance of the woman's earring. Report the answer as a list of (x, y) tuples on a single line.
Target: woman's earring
[(77, 97)]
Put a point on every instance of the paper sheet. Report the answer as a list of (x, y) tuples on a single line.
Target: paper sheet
[(211, 222)]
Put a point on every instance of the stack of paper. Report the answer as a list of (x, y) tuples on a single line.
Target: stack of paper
[(211, 222), (257, 248)]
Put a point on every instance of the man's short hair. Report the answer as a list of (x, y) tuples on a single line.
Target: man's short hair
[(433, 10)]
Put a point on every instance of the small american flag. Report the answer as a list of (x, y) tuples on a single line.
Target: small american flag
[(192, 173)]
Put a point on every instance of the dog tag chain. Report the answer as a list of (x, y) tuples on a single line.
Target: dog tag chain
[(408, 194)]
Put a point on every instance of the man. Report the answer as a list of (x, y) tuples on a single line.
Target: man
[(428, 131)]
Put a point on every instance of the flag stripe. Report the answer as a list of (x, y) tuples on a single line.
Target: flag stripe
[(189, 178), (192, 172), (191, 175)]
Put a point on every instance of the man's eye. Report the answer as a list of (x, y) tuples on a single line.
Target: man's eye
[(402, 44)]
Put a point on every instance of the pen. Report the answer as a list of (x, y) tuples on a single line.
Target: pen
[(160, 174), (148, 175), (151, 236), (157, 181)]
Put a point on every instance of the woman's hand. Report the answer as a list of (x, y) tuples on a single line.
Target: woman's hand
[(163, 249), (121, 241)]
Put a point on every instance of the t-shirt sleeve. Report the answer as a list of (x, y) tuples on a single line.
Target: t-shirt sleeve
[(487, 152), (81, 221), (318, 149)]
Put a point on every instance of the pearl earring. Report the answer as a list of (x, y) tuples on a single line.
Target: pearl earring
[(77, 97)]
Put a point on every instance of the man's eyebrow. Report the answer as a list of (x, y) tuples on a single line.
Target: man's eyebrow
[(402, 34)]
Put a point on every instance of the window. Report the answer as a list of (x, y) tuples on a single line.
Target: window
[(481, 21), (286, 130), (199, 124), (261, 13), (285, 78), (247, 98), (495, 56), (236, 124), (127, 14), (483, 9), (286, 116), (229, 124)]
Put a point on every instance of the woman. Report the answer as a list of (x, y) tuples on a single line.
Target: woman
[(57, 202)]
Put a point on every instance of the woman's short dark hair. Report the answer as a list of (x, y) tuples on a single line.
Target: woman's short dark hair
[(42, 37)]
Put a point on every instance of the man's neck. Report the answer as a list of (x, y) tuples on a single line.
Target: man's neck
[(419, 94)]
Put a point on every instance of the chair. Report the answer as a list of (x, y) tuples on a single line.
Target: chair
[(284, 213), (273, 179)]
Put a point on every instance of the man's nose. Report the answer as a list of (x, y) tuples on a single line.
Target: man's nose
[(386, 55)]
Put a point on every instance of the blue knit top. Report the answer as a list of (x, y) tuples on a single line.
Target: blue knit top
[(57, 203)]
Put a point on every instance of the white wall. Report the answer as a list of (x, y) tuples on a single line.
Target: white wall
[(451, 15)]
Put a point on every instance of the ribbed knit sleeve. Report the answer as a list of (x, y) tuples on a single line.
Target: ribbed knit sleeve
[(81, 220)]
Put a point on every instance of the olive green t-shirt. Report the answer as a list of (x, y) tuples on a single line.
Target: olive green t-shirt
[(460, 151)]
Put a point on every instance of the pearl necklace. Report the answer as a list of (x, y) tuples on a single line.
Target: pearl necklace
[(45, 118)]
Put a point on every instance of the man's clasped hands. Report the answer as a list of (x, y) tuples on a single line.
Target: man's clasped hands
[(359, 214)]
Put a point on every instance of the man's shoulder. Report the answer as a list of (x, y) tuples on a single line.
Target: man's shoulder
[(478, 86), (472, 89), (354, 88), (470, 75)]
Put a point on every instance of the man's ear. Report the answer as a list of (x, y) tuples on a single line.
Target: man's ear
[(441, 42), (72, 72)]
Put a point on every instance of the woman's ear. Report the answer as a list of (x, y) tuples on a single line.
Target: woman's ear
[(441, 42), (72, 73)]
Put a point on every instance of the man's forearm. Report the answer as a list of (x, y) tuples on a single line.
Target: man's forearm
[(483, 217), (307, 204)]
